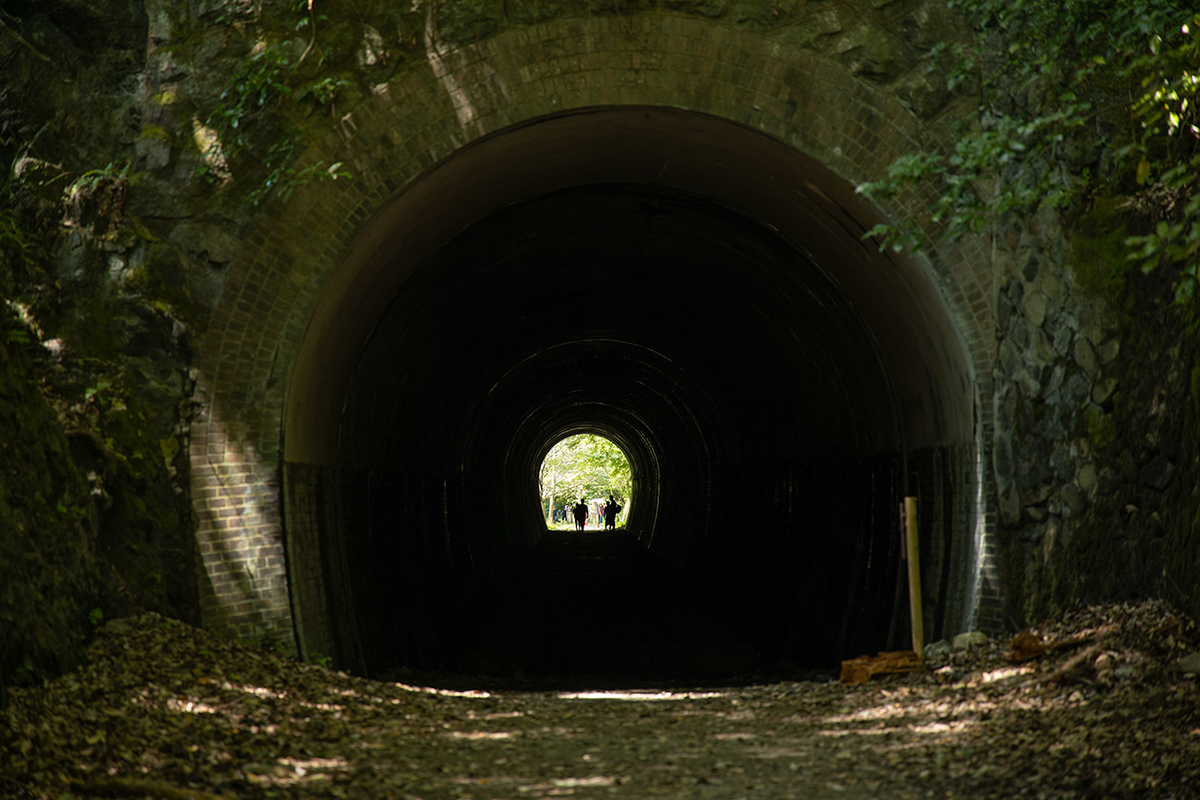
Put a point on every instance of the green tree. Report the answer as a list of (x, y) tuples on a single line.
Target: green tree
[(1078, 100), (585, 465)]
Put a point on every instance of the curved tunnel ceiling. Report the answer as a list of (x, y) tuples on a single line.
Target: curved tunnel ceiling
[(731, 167), (606, 296), (694, 290)]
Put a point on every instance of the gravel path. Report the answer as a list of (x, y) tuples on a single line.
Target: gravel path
[(162, 710)]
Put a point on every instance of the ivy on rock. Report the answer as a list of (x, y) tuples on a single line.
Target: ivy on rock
[(1077, 101)]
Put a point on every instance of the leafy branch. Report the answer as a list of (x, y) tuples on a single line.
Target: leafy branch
[(585, 465), (1076, 100), (252, 103)]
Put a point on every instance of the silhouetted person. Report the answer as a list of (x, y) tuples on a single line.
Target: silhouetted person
[(581, 512), (611, 508)]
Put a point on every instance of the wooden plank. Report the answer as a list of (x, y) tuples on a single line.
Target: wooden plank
[(914, 577), (860, 670)]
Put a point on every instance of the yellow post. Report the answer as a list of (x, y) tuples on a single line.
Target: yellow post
[(914, 576)]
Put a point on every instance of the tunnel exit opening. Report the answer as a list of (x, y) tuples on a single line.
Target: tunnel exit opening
[(586, 469)]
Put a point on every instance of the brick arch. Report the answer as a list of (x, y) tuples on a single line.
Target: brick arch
[(301, 252)]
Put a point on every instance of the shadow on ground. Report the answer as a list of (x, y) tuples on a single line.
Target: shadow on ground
[(597, 610)]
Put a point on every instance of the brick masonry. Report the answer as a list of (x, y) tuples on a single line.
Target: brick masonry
[(462, 94)]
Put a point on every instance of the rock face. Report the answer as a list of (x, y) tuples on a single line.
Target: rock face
[(47, 529), (94, 519), (1047, 372), (1087, 454), (123, 210)]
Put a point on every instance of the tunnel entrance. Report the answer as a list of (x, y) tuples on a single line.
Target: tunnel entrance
[(777, 385)]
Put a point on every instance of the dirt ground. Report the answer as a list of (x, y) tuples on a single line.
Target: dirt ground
[(1100, 708)]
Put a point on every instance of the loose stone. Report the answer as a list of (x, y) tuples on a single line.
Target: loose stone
[(965, 641)]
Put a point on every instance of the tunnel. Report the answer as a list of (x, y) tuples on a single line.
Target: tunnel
[(696, 291)]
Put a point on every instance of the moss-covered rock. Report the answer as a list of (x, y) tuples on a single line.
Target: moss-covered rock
[(94, 517), (50, 579), (1098, 250)]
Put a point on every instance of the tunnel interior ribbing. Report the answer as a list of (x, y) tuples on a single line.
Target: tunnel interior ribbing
[(740, 365), (695, 337)]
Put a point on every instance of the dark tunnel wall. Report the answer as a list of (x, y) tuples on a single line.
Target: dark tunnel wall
[(777, 384), (701, 340)]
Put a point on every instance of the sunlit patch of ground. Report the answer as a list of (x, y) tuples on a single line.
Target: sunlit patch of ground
[(162, 709)]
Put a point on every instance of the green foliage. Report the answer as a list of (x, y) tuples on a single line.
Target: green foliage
[(284, 178), (325, 91), (16, 245), (1077, 100), (97, 390), (251, 94), (253, 103), (1168, 153), (90, 180), (585, 466), (18, 336)]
